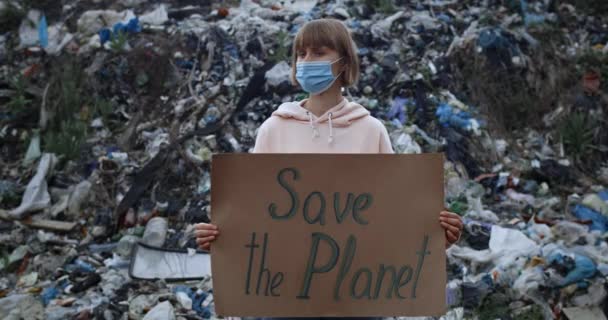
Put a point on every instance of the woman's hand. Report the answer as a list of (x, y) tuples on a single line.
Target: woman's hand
[(205, 233), (452, 224)]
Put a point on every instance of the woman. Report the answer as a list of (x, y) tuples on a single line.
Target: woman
[(324, 60)]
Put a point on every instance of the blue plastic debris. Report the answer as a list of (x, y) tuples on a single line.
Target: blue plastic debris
[(184, 64), (398, 109), (197, 300), (105, 35), (63, 283), (354, 24), (603, 195), (493, 39), (444, 17), (232, 50), (79, 265), (598, 220), (451, 117), (48, 294), (530, 18), (584, 268), (43, 34), (363, 51), (132, 26)]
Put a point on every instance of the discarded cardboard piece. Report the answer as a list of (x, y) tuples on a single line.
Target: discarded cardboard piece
[(328, 235)]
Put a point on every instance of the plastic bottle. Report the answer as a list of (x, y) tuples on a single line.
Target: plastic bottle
[(104, 247), (126, 244), (156, 231)]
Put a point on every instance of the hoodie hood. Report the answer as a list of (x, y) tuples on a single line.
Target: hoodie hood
[(341, 115)]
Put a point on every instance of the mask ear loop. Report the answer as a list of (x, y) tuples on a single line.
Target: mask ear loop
[(340, 71), (336, 60)]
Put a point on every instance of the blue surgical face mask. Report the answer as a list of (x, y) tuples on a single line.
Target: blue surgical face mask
[(315, 76)]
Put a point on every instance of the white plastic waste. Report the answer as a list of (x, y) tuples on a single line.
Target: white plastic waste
[(58, 37), (155, 232), (78, 197), (596, 203), (596, 293), (300, 5), (28, 30), (184, 300), (520, 197), (36, 196), (155, 140), (530, 279), (278, 74), (506, 245), (33, 151), (21, 306), (568, 231), (92, 21), (126, 245), (539, 232), (156, 17), (405, 144), (162, 311)]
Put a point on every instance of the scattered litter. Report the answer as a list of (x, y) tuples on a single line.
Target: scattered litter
[(110, 118)]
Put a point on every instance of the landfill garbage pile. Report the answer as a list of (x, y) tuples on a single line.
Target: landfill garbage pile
[(110, 113)]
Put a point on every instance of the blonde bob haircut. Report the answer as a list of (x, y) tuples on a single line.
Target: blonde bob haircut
[(330, 33)]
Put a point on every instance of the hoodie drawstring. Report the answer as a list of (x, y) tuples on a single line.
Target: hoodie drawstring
[(315, 132), (331, 132)]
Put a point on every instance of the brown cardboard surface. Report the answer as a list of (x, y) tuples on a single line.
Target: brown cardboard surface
[(403, 195)]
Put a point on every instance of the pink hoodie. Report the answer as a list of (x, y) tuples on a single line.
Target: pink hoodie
[(345, 128)]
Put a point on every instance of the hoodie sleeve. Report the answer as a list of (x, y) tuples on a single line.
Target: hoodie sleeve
[(262, 145), (385, 141)]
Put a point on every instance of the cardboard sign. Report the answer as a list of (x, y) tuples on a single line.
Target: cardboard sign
[(313, 235)]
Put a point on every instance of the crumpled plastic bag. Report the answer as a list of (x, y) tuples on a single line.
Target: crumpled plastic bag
[(529, 280), (92, 21), (156, 17), (162, 311), (506, 245), (36, 196), (28, 30), (278, 74), (584, 267), (598, 221), (404, 143)]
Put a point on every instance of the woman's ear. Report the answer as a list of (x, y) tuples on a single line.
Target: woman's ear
[(343, 65)]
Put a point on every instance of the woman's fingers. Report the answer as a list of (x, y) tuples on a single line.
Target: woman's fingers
[(205, 226), (203, 240), (451, 237), (205, 233), (449, 216), (450, 227), (451, 219)]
